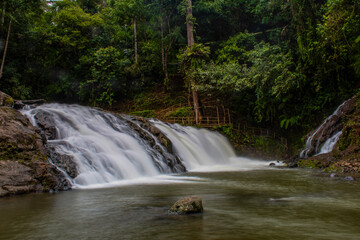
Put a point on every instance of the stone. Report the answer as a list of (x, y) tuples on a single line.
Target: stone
[(47, 124), (348, 178), (272, 164), (333, 175), (6, 100), (19, 105), (187, 205), (24, 166)]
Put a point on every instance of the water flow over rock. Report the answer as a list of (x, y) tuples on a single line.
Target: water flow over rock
[(324, 138), (199, 147), (94, 147)]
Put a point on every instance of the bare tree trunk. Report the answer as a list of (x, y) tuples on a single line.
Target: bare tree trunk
[(190, 40), (5, 49), (135, 42)]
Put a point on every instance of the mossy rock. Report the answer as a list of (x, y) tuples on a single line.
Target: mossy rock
[(188, 205), (309, 163), (6, 100)]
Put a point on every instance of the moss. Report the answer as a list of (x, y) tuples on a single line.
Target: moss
[(181, 112), (8, 101), (144, 113), (309, 163), (332, 168)]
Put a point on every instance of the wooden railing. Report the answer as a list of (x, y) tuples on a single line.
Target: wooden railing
[(223, 117)]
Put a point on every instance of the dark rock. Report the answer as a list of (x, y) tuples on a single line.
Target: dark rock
[(272, 164), (158, 141), (19, 105), (65, 162), (47, 124), (348, 178), (188, 205), (6, 100)]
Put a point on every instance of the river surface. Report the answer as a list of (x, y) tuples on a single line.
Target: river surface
[(256, 204)]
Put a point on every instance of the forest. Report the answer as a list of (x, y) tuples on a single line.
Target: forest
[(277, 64)]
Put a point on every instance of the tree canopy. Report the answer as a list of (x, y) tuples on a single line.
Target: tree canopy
[(276, 63)]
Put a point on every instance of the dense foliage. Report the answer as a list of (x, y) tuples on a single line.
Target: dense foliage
[(276, 63)]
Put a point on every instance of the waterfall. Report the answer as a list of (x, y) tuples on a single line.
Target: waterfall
[(96, 148), (314, 141), (328, 146), (204, 150)]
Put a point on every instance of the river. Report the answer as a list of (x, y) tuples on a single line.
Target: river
[(267, 203)]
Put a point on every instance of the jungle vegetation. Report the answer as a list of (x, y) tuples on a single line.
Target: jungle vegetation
[(280, 64)]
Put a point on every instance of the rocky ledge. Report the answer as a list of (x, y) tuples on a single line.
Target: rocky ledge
[(24, 166)]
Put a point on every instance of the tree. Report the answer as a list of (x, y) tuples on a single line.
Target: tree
[(190, 42), (107, 77), (129, 10)]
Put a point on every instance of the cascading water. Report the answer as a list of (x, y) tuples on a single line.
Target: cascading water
[(204, 150), (330, 125), (328, 146), (104, 147), (101, 148)]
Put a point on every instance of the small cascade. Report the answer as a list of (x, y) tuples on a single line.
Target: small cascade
[(324, 138), (328, 146), (204, 150)]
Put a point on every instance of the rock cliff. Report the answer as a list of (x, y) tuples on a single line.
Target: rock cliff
[(24, 166)]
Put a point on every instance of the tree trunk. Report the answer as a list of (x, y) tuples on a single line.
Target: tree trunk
[(190, 40), (5, 49), (135, 42), (189, 24), (163, 58), (3, 14)]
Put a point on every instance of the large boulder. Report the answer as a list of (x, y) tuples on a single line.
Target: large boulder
[(24, 166), (187, 205)]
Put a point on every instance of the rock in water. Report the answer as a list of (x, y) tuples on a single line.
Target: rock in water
[(188, 205)]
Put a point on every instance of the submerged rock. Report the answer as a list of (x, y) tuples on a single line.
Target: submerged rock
[(188, 205), (348, 178)]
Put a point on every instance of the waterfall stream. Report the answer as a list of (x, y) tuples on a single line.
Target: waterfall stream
[(105, 148), (313, 142)]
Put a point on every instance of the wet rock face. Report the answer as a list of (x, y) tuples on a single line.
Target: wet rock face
[(65, 162), (144, 127), (24, 166), (332, 125), (188, 205), (47, 124)]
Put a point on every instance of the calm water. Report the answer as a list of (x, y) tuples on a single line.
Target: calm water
[(258, 204)]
